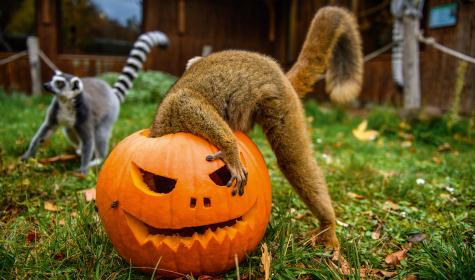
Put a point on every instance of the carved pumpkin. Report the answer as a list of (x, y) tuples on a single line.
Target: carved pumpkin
[(174, 206)]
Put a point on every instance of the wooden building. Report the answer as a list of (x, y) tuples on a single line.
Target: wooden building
[(273, 27)]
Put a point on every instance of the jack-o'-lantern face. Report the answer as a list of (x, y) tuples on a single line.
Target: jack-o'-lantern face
[(174, 206)]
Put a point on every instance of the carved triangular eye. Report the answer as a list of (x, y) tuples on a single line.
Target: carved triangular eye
[(157, 183), (221, 176)]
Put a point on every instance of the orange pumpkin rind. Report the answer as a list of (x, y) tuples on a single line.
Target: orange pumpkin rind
[(197, 237)]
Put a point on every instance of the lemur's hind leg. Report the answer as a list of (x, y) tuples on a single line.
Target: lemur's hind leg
[(197, 116), (283, 123)]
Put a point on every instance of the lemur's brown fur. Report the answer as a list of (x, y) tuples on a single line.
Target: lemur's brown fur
[(233, 90)]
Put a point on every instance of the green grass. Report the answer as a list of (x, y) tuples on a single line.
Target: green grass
[(73, 245)]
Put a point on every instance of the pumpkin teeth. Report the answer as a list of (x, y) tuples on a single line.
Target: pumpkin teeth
[(244, 224)]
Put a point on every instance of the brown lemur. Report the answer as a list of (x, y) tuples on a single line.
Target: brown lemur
[(88, 107), (233, 90)]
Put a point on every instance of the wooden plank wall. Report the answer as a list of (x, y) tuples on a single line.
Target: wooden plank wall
[(15, 75), (438, 70), (231, 24)]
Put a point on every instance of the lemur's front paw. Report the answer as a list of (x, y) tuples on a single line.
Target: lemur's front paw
[(82, 170), (238, 172), (24, 157)]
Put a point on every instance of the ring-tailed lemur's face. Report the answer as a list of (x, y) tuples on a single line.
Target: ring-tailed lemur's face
[(64, 86)]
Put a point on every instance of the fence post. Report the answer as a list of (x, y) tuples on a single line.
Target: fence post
[(34, 59), (412, 80)]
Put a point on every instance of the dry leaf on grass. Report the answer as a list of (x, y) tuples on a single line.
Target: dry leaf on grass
[(32, 236), (58, 159), (390, 205), (364, 135), (265, 259), (301, 215), (418, 237), (354, 195), (396, 257), (90, 194), (344, 267), (205, 277), (369, 213), (377, 233), (59, 256), (341, 223), (381, 274), (51, 207), (78, 175)]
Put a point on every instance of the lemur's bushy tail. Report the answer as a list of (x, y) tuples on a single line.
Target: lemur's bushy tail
[(333, 43), (137, 57)]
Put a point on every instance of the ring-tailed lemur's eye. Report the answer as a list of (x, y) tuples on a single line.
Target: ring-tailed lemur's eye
[(60, 84)]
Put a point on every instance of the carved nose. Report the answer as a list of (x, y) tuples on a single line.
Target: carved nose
[(206, 202)]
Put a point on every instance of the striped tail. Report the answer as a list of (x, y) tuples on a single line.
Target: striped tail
[(137, 57), (398, 55)]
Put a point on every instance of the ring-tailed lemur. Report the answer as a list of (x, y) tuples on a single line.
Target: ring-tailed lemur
[(398, 9), (88, 107)]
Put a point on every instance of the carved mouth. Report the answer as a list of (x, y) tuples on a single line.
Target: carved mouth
[(189, 235)]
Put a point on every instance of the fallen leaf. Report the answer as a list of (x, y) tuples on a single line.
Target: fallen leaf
[(407, 136), (90, 194), (25, 182), (444, 147), (51, 207), (369, 213), (354, 195), (404, 126), (445, 195), (380, 274), (338, 144), (364, 135), (396, 257), (32, 236), (10, 168), (59, 256), (58, 159), (436, 160), (418, 237), (389, 204), (380, 142), (413, 149), (265, 259), (377, 233), (406, 144), (32, 220), (41, 106), (205, 277), (411, 277), (78, 175), (301, 215), (341, 223)]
